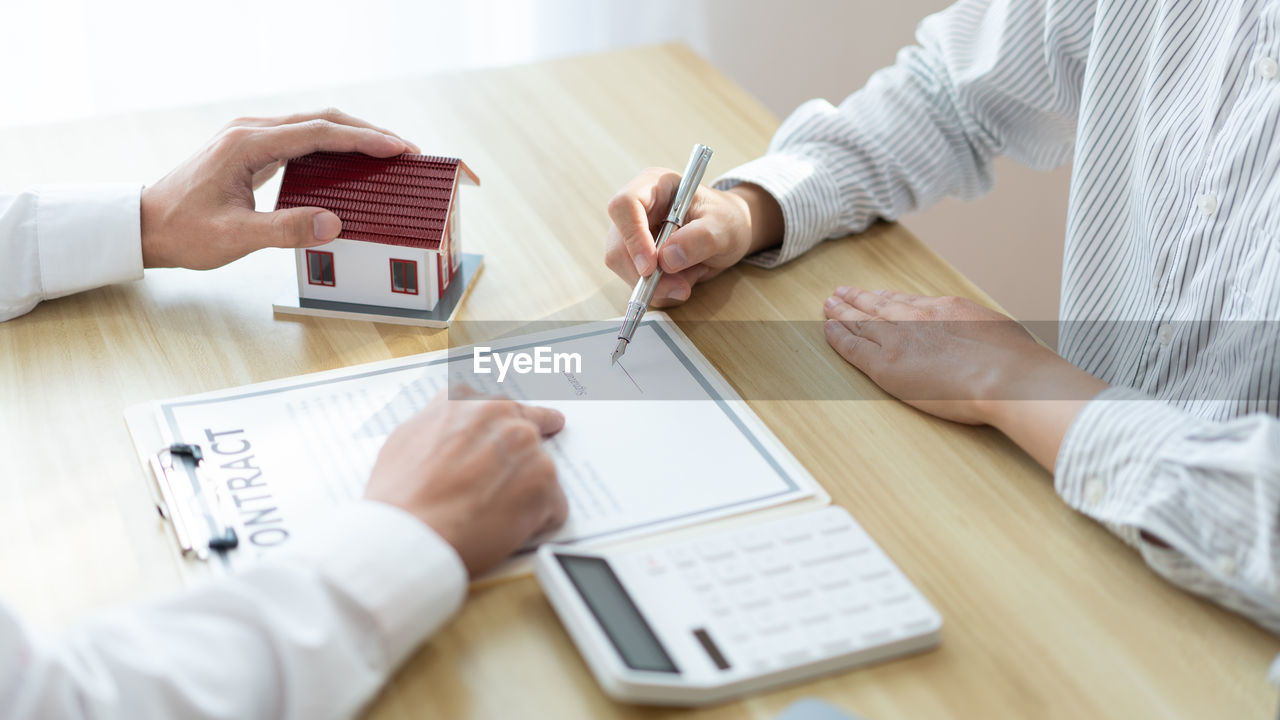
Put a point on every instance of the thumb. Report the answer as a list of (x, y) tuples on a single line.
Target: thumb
[(548, 420), (292, 228)]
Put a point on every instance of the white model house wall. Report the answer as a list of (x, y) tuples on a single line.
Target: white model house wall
[(362, 274)]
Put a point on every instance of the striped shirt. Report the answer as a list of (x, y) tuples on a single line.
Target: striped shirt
[(1171, 281)]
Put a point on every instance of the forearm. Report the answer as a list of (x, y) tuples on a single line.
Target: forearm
[(56, 241), (1034, 400), (311, 635)]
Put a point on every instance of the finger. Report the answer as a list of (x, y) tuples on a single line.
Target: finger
[(459, 391), (633, 211), (333, 115), (292, 228), (617, 259), (693, 243), (898, 296), (858, 351), (856, 321), (549, 420), (880, 306), (558, 511), (290, 141), (675, 288)]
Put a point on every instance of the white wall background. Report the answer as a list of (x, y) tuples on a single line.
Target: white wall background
[(75, 58)]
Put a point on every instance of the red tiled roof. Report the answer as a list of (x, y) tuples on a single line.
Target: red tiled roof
[(402, 200)]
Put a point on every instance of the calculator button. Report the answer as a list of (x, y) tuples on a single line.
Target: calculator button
[(832, 575), (792, 648), (750, 596), (698, 581), (732, 629), (753, 540), (789, 584), (681, 556), (715, 604), (919, 624), (770, 562), (767, 621), (732, 571), (836, 645), (808, 610), (795, 533), (832, 523), (874, 572), (713, 549), (877, 636), (649, 565)]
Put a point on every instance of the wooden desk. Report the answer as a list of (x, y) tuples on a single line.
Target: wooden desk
[(1046, 614)]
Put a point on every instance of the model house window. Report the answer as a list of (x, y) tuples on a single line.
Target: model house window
[(320, 267), (404, 277)]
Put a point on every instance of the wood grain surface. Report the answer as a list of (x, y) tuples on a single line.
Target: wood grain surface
[(1046, 615)]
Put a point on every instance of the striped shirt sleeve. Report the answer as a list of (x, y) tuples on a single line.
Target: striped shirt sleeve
[(987, 78), (1209, 490)]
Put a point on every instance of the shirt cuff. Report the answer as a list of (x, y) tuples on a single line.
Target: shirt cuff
[(394, 566), (88, 236), (1104, 466), (805, 191)]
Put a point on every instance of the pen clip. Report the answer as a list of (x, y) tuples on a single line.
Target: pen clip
[(689, 182)]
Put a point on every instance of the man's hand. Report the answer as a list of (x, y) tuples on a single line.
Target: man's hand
[(719, 230), (958, 360), (475, 471), (201, 215)]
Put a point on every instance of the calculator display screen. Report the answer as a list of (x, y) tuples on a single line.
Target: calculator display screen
[(617, 613)]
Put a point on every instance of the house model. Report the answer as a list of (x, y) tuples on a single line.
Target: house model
[(399, 256)]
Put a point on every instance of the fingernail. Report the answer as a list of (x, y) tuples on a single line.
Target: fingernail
[(677, 294), (832, 301), (879, 292), (326, 226), (841, 290), (641, 266), (676, 259)]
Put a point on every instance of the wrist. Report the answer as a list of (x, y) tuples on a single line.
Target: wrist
[(151, 213), (1025, 379), (764, 216)]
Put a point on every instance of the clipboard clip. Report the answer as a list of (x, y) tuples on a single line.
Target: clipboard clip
[(191, 502)]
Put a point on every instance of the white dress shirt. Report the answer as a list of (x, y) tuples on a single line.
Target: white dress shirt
[(1171, 281), (311, 634)]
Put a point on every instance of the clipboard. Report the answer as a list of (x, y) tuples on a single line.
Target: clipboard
[(149, 433)]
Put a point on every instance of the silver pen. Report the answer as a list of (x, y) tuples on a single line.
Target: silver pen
[(643, 293)]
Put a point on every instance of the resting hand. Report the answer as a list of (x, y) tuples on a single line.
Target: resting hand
[(473, 468), (948, 356), (201, 215), (719, 230)]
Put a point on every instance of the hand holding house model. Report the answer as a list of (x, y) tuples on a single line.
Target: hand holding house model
[(399, 257)]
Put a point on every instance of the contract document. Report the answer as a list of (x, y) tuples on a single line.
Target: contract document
[(655, 444)]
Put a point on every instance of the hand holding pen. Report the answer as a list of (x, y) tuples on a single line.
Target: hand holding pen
[(720, 228)]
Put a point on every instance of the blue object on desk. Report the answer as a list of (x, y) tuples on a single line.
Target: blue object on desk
[(814, 709)]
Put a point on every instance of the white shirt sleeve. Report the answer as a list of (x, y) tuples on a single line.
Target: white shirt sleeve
[(310, 635), (60, 240), (987, 79), (1210, 490)]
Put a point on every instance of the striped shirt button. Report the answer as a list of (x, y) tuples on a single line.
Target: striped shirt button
[(1268, 68), (1164, 334), (1226, 565), (1094, 491), (1208, 203)]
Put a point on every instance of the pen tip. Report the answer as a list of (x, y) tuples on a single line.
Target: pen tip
[(618, 351)]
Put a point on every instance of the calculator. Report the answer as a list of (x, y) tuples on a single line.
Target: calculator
[(734, 611)]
